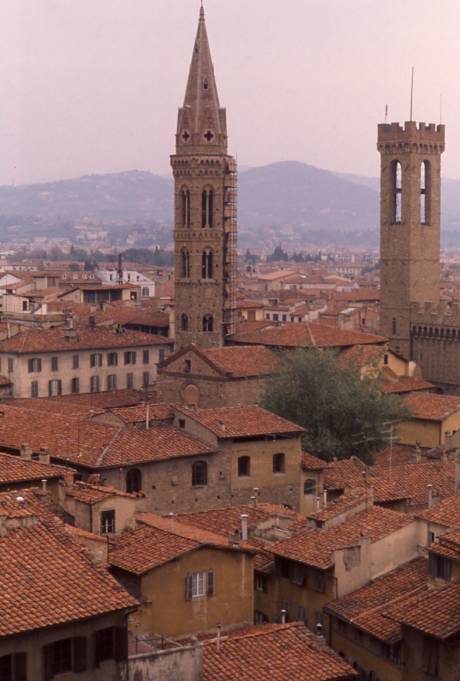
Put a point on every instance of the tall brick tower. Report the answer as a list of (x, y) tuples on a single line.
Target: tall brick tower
[(205, 228), (409, 224)]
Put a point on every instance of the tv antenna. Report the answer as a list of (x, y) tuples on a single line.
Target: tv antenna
[(412, 93)]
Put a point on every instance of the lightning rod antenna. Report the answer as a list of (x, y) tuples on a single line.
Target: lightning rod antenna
[(412, 94)]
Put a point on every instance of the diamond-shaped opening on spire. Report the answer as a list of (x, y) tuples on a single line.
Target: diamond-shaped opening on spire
[(209, 135), (186, 135)]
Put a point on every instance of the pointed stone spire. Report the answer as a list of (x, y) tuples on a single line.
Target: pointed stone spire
[(202, 125)]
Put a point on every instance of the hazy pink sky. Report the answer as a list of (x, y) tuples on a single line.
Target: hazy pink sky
[(91, 86)]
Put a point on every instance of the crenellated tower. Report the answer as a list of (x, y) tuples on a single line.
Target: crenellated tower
[(205, 225), (409, 225)]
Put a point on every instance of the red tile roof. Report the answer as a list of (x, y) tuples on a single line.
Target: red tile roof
[(344, 473), (139, 413), (94, 494), (234, 422), (305, 335), (54, 582), (446, 512), (312, 463), (244, 362), (361, 355), (404, 384), (16, 469), (86, 338), (273, 652), (316, 547), (364, 608), (431, 406)]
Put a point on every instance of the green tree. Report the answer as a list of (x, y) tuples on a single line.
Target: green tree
[(342, 414)]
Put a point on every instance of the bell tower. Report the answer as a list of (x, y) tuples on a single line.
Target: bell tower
[(409, 224), (205, 224)]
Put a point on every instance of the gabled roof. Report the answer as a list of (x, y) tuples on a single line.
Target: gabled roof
[(235, 422), (53, 582), (316, 547), (16, 469), (431, 406), (365, 608), (446, 512), (274, 652)]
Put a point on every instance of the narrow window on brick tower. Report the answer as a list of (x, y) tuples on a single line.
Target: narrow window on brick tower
[(208, 323), (393, 326), (185, 208), (207, 208), (184, 264), (184, 322), (206, 264), (425, 192), (396, 173)]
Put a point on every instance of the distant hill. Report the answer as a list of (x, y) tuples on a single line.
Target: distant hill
[(289, 202)]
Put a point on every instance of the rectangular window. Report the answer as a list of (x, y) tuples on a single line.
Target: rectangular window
[(112, 359), (260, 617), (33, 393), (94, 384), (55, 387), (302, 615), (110, 644), (111, 382), (199, 584), (76, 362), (261, 582), (161, 355), (107, 522), (129, 381), (319, 583), (34, 364), (439, 567), (146, 356), (75, 386), (145, 378), (67, 655), (297, 574), (130, 357), (13, 667), (95, 360), (430, 656), (54, 363), (10, 365)]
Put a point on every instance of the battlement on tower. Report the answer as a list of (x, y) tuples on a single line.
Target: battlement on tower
[(413, 136), (439, 314)]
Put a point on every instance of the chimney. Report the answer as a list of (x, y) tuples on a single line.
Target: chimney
[(26, 452), (219, 630), (44, 488), (171, 520), (319, 629), (244, 526), (325, 498), (44, 455), (417, 453), (92, 321), (283, 616), (318, 504), (430, 495)]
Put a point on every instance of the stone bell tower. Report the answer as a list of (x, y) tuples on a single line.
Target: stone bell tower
[(409, 224), (205, 226)]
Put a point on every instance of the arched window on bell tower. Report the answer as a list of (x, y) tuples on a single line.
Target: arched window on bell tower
[(396, 180), (207, 208), (184, 264), (207, 264), (185, 198), (425, 192), (184, 322)]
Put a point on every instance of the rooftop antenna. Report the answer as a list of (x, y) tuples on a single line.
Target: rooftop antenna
[(386, 113), (440, 108), (411, 94)]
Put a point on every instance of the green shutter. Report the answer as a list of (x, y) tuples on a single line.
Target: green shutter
[(210, 584)]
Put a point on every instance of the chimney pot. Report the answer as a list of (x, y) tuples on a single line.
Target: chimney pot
[(283, 616), (430, 495), (244, 526), (44, 485)]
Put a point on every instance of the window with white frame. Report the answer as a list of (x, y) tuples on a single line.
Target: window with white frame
[(200, 584)]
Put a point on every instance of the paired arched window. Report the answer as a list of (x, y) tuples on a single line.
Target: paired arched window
[(279, 463), (208, 323), (207, 264), (133, 480), (425, 192), (185, 198), (244, 466), (184, 264), (207, 208), (199, 474), (396, 179), (184, 322)]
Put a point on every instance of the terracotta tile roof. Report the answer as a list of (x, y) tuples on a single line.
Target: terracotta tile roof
[(227, 521), (16, 469), (305, 335), (446, 512), (447, 545), (54, 582), (399, 454), (365, 608), (361, 355), (273, 652), (94, 445), (138, 413), (353, 501), (243, 362), (435, 613), (431, 406), (159, 540), (410, 481), (357, 295), (312, 463), (344, 473), (404, 384), (316, 547), (86, 338), (234, 422), (83, 403), (94, 494)]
